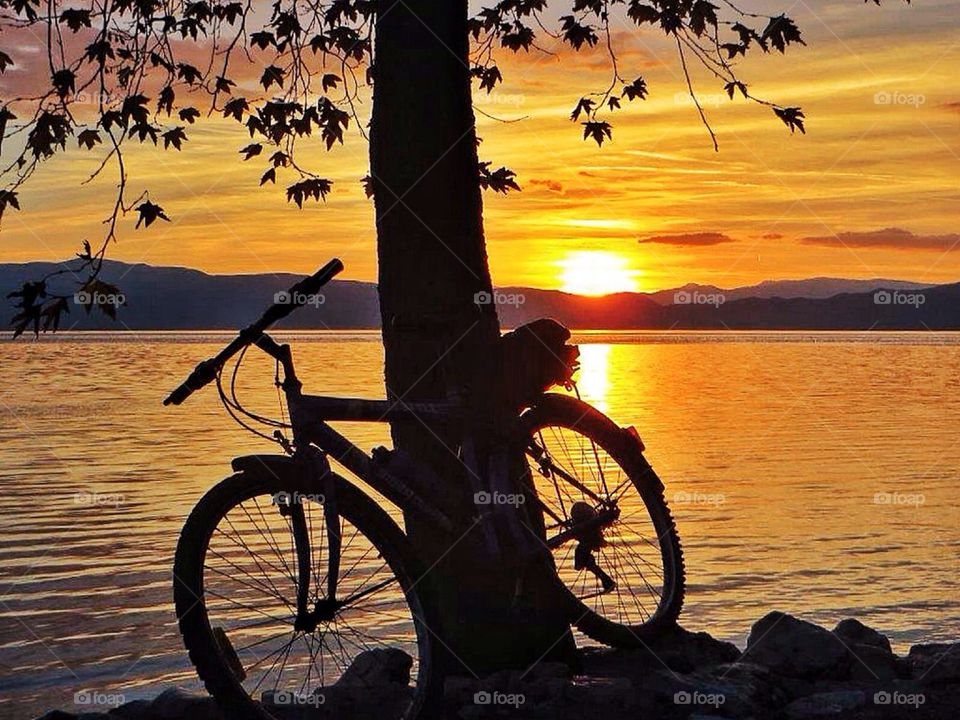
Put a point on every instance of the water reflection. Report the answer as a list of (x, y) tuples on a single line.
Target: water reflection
[(593, 380)]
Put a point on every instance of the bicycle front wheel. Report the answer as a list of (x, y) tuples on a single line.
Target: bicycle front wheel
[(615, 545), (252, 582)]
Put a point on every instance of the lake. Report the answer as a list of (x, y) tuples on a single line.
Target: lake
[(814, 473)]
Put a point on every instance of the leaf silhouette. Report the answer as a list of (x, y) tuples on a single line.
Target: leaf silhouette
[(174, 137), (88, 138), (269, 176), (585, 105), (149, 212), (792, 117), (251, 150), (781, 31), (189, 114), (316, 188), (272, 74), (597, 130)]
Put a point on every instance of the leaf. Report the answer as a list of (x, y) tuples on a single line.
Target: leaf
[(165, 100), (598, 131), (280, 159), (585, 106), (189, 114), (792, 117), (174, 137), (223, 85), (640, 13), (317, 188), (8, 198), (703, 14), (236, 108), (5, 61), (251, 150), (269, 176), (577, 34), (501, 180), (52, 312), (149, 212), (64, 82), (368, 186), (734, 85), (88, 138), (330, 81), (613, 102), (188, 73), (734, 49), (781, 31), (272, 74), (636, 89), (262, 39), (75, 19)]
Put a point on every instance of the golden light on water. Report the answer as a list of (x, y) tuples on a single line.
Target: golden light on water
[(593, 380), (597, 272)]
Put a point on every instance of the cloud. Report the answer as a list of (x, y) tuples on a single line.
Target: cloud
[(698, 239), (952, 106), (771, 236), (551, 185), (894, 238)]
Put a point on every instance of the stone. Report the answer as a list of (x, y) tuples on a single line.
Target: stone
[(871, 663), (825, 704), (854, 632), (382, 666), (934, 663), (795, 648)]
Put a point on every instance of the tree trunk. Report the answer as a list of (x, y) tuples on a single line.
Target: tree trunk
[(432, 264)]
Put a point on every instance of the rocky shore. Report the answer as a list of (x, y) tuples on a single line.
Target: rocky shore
[(790, 670)]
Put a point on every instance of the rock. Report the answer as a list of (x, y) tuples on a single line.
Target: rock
[(854, 632), (548, 669), (678, 649), (731, 690), (795, 648), (171, 704), (600, 694), (382, 666), (869, 663), (935, 663), (825, 704)]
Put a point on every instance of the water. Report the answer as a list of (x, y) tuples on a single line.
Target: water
[(811, 473)]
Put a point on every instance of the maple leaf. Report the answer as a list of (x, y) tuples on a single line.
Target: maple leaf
[(5, 61), (305, 189), (236, 108), (703, 14), (75, 19), (577, 34), (251, 150), (501, 180), (792, 117), (174, 137), (188, 73), (88, 138), (330, 81), (584, 106), (189, 114), (597, 130), (223, 85), (781, 31), (8, 198), (641, 13), (149, 212), (734, 85), (165, 100), (636, 89), (272, 74), (269, 176)]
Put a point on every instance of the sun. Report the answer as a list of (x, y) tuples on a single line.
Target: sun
[(597, 272)]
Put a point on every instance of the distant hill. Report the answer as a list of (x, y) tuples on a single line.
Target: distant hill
[(173, 298)]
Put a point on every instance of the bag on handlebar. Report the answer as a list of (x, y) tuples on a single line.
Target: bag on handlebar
[(534, 358)]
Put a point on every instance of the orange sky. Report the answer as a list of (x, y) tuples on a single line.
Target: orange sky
[(663, 207)]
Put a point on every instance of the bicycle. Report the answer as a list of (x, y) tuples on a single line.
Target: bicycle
[(295, 592)]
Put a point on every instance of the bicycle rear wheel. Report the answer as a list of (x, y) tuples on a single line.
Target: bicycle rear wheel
[(251, 586), (614, 543)]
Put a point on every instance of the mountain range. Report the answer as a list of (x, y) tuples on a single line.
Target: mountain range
[(175, 298)]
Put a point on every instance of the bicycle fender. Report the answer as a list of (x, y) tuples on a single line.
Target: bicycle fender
[(277, 465)]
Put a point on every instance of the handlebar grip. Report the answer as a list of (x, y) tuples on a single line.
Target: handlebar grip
[(202, 374), (298, 295)]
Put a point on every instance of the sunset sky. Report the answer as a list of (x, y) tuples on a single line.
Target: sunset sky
[(871, 190)]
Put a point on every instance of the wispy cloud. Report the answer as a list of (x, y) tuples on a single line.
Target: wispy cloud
[(697, 239), (896, 238)]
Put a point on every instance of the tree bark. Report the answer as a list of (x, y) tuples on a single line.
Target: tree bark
[(432, 264)]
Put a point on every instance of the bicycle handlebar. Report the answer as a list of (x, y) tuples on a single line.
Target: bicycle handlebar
[(297, 296)]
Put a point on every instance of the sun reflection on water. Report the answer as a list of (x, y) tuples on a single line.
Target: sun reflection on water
[(593, 380)]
